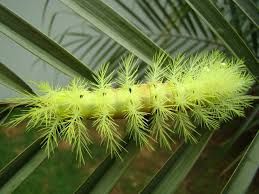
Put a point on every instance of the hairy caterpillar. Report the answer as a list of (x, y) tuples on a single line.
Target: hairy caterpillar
[(177, 96)]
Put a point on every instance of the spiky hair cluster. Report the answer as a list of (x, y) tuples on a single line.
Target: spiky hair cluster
[(177, 96)]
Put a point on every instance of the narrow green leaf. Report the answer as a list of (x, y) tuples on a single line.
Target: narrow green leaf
[(200, 24), (188, 18), (167, 41), (118, 54), (167, 16), (234, 19), (13, 81), (156, 16), (14, 173), (107, 52), (201, 48), (53, 18), (234, 162), (245, 126), (133, 14), (115, 26), (183, 11), (105, 176), (81, 45), (72, 42), (245, 171), (176, 47), (180, 12), (89, 48), (212, 16), (50, 26), (45, 8), (101, 48), (250, 9), (254, 36), (174, 171), (149, 15), (5, 111), (190, 47), (41, 45)]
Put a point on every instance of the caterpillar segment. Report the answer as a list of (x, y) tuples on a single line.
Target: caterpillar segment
[(176, 97)]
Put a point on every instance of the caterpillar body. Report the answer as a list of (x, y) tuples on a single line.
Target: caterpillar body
[(177, 96)]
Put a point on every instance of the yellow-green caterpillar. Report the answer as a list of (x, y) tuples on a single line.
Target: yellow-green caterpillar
[(177, 96)]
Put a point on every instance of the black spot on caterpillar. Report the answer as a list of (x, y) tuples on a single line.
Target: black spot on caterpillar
[(177, 95)]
